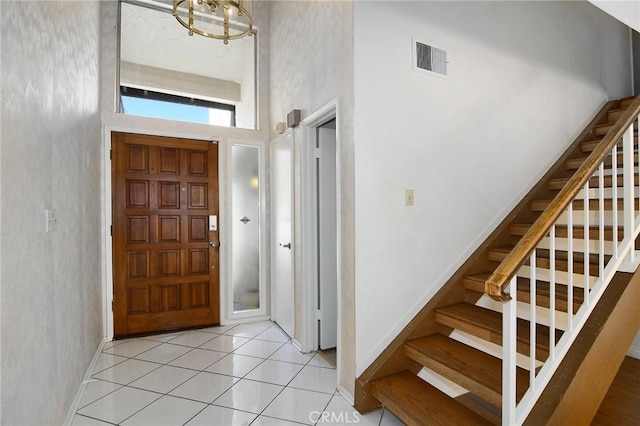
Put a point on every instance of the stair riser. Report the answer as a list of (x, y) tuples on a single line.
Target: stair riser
[(543, 315), (560, 278), (589, 146), (578, 205), (625, 103), (562, 244), (562, 232), (450, 382), (481, 332), (593, 217), (544, 264), (475, 289), (522, 361), (603, 129), (613, 116), (575, 163)]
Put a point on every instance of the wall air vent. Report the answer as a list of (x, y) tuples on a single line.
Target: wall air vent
[(429, 59)]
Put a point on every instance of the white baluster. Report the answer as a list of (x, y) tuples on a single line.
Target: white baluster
[(532, 321), (628, 178), (552, 292), (509, 344), (570, 267), (614, 186), (586, 265)]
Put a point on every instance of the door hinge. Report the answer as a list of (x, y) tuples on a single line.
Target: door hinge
[(317, 152), (110, 154), (318, 315), (113, 302), (111, 230)]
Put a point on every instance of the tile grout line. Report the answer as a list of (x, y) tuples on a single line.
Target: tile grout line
[(203, 370)]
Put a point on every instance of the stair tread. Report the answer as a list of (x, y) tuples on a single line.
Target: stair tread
[(602, 129), (625, 102), (575, 162), (487, 324), (415, 402), (562, 231), (590, 145), (476, 282), (559, 183), (541, 205), (498, 254), (479, 371)]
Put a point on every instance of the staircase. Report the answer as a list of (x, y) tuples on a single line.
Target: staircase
[(525, 295)]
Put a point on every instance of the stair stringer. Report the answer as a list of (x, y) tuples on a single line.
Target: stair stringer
[(582, 380), (393, 360)]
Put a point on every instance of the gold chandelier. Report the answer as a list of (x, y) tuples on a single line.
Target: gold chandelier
[(211, 18)]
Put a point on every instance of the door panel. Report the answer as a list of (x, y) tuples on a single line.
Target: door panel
[(282, 306), (327, 238), (165, 271)]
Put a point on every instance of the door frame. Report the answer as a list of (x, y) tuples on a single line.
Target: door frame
[(308, 241), (107, 216)]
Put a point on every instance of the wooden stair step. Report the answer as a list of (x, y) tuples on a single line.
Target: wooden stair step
[(575, 163), (541, 205), (498, 254), (487, 325), (559, 183), (474, 370), (590, 145), (603, 129), (626, 102), (416, 402), (543, 295), (615, 114), (519, 229), (475, 284)]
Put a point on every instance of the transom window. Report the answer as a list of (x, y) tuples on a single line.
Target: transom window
[(165, 73)]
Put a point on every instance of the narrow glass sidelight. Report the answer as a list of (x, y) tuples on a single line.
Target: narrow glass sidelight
[(245, 227)]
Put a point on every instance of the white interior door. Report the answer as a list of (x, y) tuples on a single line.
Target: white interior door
[(327, 236), (282, 301)]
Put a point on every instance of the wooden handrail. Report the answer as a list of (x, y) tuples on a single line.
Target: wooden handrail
[(495, 285)]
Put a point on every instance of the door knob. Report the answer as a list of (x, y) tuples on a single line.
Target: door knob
[(213, 244), (288, 245)]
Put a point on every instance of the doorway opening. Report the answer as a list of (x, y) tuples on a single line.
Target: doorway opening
[(326, 235), (320, 239)]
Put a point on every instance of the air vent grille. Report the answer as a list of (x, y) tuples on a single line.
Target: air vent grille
[(429, 58)]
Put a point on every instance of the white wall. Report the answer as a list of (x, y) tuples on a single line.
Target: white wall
[(627, 11), (311, 63), (50, 282), (525, 78)]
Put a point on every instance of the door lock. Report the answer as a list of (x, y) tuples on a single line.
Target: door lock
[(288, 245), (213, 244)]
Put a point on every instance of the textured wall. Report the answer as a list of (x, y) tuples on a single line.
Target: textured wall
[(50, 282), (525, 78), (311, 63)]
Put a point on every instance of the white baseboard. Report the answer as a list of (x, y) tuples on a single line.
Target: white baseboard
[(634, 353), (346, 395), (297, 345), (85, 380)]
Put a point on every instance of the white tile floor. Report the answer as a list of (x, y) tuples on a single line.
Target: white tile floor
[(249, 374)]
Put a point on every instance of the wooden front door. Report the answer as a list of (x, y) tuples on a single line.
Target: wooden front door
[(165, 254)]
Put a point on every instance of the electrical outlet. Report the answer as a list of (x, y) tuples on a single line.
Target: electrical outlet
[(51, 223), (408, 197)]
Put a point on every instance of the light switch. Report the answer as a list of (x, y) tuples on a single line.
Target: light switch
[(51, 223), (408, 197), (213, 222)]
